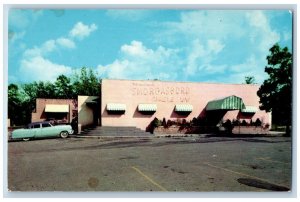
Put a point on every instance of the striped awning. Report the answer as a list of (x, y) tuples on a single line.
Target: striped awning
[(250, 109), (147, 107), (116, 107), (56, 108), (226, 103), (183, 108)]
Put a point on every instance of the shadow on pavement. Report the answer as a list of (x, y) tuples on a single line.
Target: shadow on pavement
[(261, 184)]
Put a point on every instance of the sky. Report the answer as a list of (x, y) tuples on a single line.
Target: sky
[(220, 46)]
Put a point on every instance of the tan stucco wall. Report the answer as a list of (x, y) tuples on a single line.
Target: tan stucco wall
[(85, 113), (39, 114), (166, 95)]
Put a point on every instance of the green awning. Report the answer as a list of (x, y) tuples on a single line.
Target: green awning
[(115, 107), (147, 107), (226, 103), (250, 109), (183, 108)]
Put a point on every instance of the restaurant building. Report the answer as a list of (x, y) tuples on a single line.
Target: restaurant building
[(137, 103)]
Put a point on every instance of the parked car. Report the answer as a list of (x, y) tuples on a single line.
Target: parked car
[(42, 130)]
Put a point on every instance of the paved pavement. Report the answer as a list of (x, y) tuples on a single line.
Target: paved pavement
[(175, 164)]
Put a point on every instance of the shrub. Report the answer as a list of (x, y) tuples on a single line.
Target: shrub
[(228, 126), (194, 121), (178, 121), (164, 123), (170, 123), (257, 122), (153, 124), (236, 122), (156, 122), (244, 123)]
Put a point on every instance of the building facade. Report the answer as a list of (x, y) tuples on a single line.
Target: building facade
[(60, 110), (137, 103)]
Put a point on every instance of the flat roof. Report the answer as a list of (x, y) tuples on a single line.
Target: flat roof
[(193, 82)]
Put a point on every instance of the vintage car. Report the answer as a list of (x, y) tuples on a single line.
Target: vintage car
[(41, 130)]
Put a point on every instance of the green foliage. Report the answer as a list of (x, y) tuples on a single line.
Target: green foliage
[(257, 122), (249, 79), (22, 99), (156, 122), (276, 92), (63, 88), (86, 83), (228, 126)]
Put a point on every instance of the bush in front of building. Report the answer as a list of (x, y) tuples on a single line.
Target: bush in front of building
[(258, 122), (153, 124), (228, 126), (244, 123), (236, 122), (164, 123)]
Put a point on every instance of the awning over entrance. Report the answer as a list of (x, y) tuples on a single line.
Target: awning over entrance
[(147, 107), (183, 108), (250, 109), (115, 107), (226, 103), (57, 108)]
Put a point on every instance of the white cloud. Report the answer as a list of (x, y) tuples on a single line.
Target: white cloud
[(136, 48), (248, 65), (222, 42), (39, 68), (215, 46), (65, 42), (260, 30), (21, 18), (140, 62), (34, 62), (81, 30), (48, 47), (287, 36), (200, 57)]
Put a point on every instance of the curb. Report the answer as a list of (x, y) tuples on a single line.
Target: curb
[(98, 136)]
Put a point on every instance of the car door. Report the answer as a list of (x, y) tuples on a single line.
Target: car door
[(47, 130), (36, 130)]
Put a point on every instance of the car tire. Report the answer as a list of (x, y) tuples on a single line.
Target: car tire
[(26, 139), (64, 134)]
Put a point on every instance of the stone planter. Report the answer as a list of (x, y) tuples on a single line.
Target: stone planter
[(250, 130), (184, 130)]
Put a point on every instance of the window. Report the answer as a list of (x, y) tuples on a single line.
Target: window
[(44, 125), (36, 126)]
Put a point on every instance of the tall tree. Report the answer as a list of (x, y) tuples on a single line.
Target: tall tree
[(22, 99), (86, 83), (64, 88), (249, 79), (14, 104), (276, 91)]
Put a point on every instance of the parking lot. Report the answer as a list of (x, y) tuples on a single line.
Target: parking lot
[(197, 164)]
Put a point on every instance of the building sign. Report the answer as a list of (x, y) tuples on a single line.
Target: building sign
[(161, 93)]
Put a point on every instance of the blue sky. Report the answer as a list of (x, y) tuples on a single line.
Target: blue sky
[(174, 45)]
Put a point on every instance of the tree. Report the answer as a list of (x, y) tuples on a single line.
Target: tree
[(86, 83), (276, 91), (22, 99), (63, 88), (249, 79), (14, 104)]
